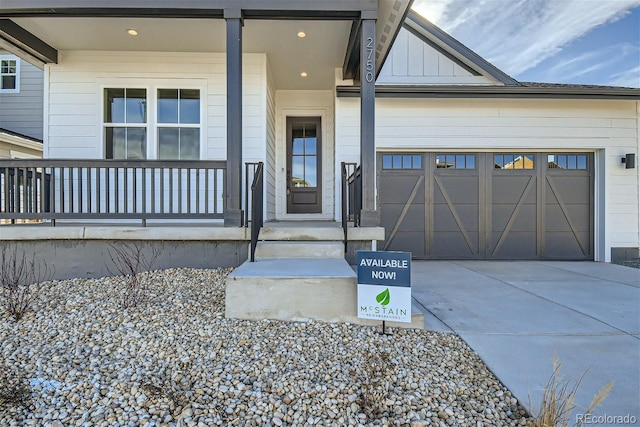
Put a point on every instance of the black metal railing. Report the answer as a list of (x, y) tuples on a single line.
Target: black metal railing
[(250, 169), (351, 197), (111, 189), (257, 207)]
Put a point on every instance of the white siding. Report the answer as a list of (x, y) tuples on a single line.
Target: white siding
[(73, 116), (412, 61), (305, 103), (609, 128), (22, 112)]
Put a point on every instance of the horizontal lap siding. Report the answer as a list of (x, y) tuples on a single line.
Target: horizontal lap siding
[(74, 112), (22, 112)]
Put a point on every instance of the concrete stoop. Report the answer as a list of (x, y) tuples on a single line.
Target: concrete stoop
[(298, 289)]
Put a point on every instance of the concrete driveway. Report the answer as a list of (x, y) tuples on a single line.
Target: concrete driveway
[(517, 314)]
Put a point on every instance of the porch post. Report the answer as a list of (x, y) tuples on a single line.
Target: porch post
[(368, 118), (233, 199)]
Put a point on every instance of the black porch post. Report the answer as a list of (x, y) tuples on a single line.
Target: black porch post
[(368, 118), (232, 213)]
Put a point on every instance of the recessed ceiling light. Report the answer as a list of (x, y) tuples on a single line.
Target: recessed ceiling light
[(303, 74), (132, 32), (302, 34)]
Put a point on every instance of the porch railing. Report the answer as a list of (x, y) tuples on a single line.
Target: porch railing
[(51, 189), (250, 169), (351, 197), (257, 207)]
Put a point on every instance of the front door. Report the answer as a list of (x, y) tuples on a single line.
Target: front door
[(304, 165)]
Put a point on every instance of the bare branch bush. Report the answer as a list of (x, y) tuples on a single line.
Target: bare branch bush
[(14, 389), (21, 280), (374, 373), (171, 382), (130, 261)]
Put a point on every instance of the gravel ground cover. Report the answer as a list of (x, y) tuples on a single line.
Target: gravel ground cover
[(174, 360)]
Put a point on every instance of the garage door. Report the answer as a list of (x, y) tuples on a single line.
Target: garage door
[(487, 205)]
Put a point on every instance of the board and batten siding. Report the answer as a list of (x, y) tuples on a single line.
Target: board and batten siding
[(22, 112), (412, 61), (607, 128), (270, 164), (73, 109)]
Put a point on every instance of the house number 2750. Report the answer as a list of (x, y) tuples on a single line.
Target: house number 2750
[(369, 75)]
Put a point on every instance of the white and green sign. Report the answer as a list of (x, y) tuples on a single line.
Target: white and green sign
[(384, 286)]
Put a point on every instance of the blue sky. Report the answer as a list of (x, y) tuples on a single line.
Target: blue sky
[(551, 41)]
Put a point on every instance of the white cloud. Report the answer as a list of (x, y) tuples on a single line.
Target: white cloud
[(627, 78), (516, 35)]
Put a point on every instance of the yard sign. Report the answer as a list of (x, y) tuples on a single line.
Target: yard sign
[(384, 286)]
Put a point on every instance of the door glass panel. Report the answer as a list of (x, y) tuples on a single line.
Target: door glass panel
[(297, 174), (310, 144), (417, 162), (582, 161), (310, 174), (571, 163), (471, 161)]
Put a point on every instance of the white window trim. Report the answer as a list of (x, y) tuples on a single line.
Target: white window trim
[(152, 110), (5, 57)]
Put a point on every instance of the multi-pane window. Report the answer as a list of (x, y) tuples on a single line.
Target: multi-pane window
[(125, 123), (514, 161), (179, 124), (139, 123), (9, 73), (456, 161), (304, 155), (402, 161), (567, 161)]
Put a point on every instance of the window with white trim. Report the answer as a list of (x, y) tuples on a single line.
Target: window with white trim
[(9, 74), (125, 123), (178, 124), (163, 123)]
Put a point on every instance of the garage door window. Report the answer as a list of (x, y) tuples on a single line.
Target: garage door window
[(402, 161), (567, 161), (514, 161), (456, 161)]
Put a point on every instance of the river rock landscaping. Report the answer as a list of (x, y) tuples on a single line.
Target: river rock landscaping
[(175, 360)]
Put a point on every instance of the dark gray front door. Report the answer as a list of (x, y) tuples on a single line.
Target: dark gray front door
[(304, 165), (487, 205)]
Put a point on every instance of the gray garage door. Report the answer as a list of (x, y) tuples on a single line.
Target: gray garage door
[(487, 205)]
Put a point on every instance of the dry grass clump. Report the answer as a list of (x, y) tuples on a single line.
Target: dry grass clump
[(558, 400)]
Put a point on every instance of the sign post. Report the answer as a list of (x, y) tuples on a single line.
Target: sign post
[(384, 286)]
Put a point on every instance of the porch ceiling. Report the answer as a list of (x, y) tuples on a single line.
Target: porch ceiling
[(317, 54)]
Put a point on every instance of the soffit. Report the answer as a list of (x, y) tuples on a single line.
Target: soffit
[(318, 54)]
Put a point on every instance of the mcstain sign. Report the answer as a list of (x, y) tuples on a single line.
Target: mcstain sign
[(384, 285)]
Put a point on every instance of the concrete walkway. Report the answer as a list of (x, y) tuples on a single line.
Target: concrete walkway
[(516, 315)]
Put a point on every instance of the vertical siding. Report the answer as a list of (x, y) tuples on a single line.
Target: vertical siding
[(412, 61), (606, 127), (22, 112)]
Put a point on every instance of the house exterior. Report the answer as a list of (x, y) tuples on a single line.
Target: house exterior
[(457, 159), (21, 105)]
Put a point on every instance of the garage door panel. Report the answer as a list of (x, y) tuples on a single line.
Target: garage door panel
[(525, 217), (397, 189), (457, 189), (454, 245), (557, 221), (569, 189), (515, 245), (407, 241), (413, 220), (509, 189), (564, 245), (445, 220)]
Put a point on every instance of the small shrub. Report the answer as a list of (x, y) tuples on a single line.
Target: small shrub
[(14, 389), (21, 280), (129, 260), (375, 371), (558, 400)]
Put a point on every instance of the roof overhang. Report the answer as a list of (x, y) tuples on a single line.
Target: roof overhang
[(36, 30), (530, 92)]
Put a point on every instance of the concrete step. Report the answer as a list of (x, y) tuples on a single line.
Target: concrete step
[(299, 249), (310, 233), (298, 289)]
